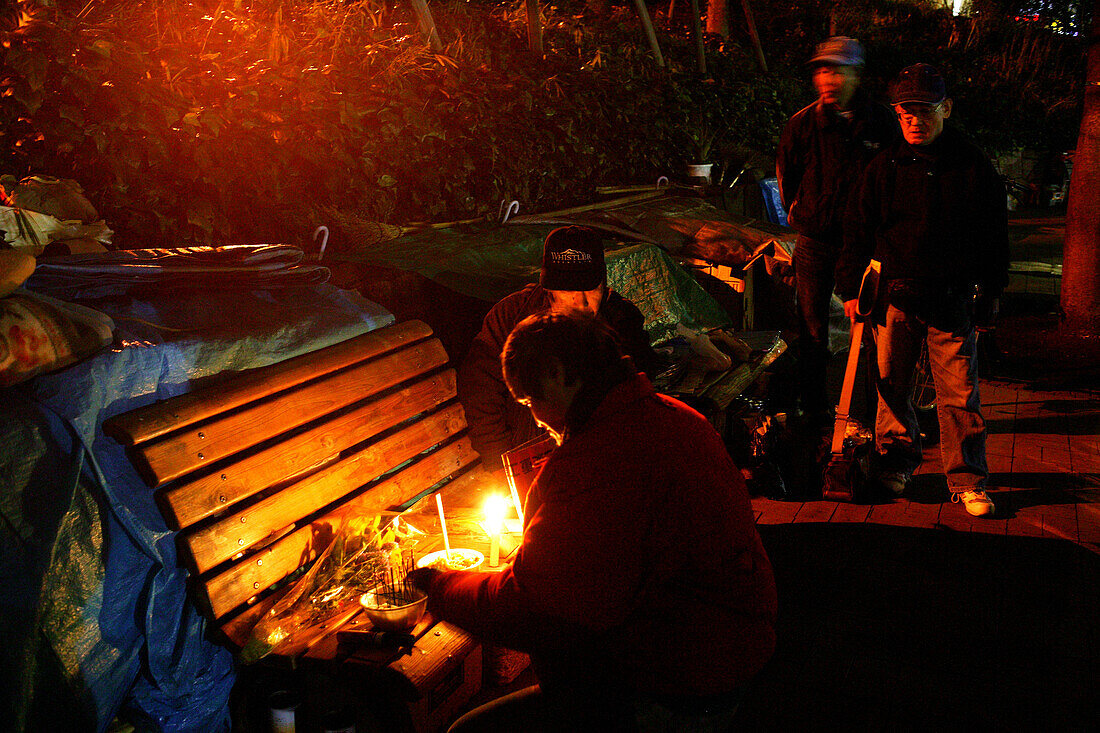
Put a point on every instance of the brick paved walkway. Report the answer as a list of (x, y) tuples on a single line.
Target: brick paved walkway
[(910, 614), (1044, 456)]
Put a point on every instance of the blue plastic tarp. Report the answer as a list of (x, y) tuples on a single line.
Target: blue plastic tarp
[(95, 612)]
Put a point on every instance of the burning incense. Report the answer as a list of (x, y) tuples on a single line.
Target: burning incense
[(443, 525)]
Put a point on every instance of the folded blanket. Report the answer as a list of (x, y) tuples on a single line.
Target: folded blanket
[(241, 267)]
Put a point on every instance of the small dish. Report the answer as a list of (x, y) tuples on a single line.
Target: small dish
[(457, 559)]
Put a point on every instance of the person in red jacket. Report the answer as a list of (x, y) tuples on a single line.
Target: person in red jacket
[(573, 279), (641, 589)]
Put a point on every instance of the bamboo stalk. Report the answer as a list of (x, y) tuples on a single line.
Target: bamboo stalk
[(534, 28), (755, 36), (697, 36), (643, 14), (427, 25), (589, 207)]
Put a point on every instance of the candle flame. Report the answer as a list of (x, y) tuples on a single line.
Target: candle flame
[(495, 508)]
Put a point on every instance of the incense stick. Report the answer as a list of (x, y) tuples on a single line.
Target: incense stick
[(515, 498), (443, 525)]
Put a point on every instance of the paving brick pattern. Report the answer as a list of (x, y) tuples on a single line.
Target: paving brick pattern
[(909, 614), (1044, 460)]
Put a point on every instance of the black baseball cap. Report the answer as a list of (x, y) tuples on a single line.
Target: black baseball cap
[(918, 84), (572, 259)]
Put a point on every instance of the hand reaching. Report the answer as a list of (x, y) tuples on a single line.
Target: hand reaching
[(422, 578)]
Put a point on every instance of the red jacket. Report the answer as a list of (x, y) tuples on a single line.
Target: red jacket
[(640, 562), (497, 422)]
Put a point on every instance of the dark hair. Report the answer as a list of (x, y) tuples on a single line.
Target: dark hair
[(586, 348)]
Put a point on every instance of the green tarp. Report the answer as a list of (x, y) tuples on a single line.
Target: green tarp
[(490, 260)]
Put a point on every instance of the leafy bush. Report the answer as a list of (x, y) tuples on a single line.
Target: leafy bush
[(219, 122)]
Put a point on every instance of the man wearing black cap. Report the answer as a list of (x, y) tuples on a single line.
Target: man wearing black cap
[(822, 153), (932, 210), (573, 280)]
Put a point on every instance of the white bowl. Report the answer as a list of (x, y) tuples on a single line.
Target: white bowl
[(460, 559)]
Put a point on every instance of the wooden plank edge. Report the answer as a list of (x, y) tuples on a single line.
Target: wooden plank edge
[(151, 421)]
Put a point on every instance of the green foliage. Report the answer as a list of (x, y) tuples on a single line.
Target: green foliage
[(1015, 84), (224, 122)]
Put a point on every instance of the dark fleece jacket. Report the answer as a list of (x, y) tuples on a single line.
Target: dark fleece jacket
[(821, 157), (640, 571), (935, 216)]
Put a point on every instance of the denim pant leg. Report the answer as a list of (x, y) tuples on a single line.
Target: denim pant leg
[(954, 362), (815, 274), (897, 436)]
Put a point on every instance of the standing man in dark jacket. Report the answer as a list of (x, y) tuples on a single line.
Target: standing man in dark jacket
[(573, 280), (822, 154), (933, 211)]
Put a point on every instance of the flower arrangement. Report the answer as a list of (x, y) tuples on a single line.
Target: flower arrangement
[(364, 554)]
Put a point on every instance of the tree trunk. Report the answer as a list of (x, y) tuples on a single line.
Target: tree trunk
[(534, 28), (718, 19), (751, 24), (697, 38), (647, 25), (1081, 256), (427, 24)]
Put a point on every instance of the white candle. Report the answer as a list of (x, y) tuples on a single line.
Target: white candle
[(495, 508)]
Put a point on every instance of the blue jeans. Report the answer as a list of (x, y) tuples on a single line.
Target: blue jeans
[(954, 362), (815, 277)]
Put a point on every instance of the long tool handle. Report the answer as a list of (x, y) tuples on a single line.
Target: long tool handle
[(844, 408)]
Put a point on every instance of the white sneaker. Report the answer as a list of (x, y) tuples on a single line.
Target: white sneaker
[(975, 500)]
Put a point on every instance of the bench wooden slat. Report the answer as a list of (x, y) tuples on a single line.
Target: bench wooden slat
[(142, 425), (248, 527), (236, 585), (203, 443), (257, 474), (201, 497)]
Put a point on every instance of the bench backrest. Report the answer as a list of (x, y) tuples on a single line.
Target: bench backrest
[(256, 472)]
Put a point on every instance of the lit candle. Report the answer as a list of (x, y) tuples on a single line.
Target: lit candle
[(495, 508)]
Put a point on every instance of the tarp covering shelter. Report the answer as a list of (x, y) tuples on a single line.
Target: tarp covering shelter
[(95, 612), (647, 234)]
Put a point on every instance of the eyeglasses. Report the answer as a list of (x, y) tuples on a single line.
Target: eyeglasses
[(924, 112)]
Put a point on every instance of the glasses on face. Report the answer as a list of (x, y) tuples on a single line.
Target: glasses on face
[(924, 113)]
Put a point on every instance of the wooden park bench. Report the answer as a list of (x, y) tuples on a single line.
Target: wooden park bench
[(255, 473)]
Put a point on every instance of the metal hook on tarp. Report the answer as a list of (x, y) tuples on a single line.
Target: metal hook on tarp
[(322, 230), (662, 182), (506, 212)]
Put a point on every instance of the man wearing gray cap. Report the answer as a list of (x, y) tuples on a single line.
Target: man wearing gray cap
[(931, 209), (822, 153)]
